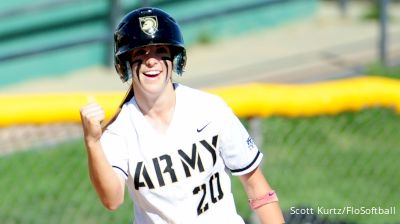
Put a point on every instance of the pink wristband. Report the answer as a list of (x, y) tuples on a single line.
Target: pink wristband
[(266, 199)]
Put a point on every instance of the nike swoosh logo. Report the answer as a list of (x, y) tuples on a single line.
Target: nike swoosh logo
[(201, 129)]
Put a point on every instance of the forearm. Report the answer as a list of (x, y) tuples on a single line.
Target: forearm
[(270, 213), (256, 186), (109, 186)]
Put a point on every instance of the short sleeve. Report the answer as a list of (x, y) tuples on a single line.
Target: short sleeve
[(238, 150), (115, 149)]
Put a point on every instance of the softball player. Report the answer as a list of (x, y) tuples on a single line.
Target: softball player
[(173, 146)]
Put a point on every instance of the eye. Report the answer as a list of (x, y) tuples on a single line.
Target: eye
[(162, 50), (138, 53)]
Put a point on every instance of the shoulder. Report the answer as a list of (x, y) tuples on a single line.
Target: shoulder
[(196, 97), (119, 125)]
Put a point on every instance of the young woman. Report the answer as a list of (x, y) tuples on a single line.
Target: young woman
[(174, 147)]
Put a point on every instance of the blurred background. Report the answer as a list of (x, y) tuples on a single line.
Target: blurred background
[(332, 160)]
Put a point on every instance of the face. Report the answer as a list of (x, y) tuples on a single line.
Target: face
[(151, 69)]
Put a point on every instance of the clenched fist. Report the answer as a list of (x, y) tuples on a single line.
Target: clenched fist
[(92, 116)]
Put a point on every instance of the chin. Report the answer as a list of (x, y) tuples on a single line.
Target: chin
[(155, 88)]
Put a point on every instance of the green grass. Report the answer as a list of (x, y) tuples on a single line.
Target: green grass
[(52, 186), (333, 161), (376, 69), (346, 160)]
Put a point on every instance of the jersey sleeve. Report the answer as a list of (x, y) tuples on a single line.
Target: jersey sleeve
[(238, 150), (115, 149)]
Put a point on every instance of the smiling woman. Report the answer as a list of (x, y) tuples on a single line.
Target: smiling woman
[(173, 146)]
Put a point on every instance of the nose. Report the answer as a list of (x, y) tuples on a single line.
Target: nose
[(151, 58), (151, 61)]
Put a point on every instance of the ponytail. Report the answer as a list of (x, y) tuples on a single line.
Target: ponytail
[(129, 94)]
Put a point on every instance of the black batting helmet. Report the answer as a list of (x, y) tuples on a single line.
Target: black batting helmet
[(144, 27)]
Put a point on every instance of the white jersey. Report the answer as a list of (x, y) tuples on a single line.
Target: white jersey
[(182, 176)]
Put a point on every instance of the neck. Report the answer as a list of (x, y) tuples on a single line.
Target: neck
[(151, 103), (158, 109)]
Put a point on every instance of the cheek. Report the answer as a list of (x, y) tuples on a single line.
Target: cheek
[(168, 66), (135, 69)]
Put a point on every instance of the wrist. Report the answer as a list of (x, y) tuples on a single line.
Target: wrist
[(269, 197), (92, 143)]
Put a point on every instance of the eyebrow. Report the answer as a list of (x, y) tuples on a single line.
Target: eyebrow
[(162, 49), (158, 49)]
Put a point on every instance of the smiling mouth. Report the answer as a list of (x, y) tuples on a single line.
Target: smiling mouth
[(152, 74)]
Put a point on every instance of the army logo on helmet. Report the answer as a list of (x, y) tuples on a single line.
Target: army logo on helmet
[(149, 24)]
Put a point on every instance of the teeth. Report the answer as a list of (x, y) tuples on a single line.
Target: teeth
[(152, 73)]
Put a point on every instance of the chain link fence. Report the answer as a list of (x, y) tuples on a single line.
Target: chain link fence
[(334, 169), (326, 169)]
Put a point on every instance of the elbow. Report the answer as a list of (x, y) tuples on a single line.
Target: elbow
[(112, 205)]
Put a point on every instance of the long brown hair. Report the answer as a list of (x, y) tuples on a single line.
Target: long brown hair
[(129, 94)]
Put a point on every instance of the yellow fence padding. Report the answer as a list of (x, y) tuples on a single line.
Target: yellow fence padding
[(246, 100), (52, 107), (329, 97)]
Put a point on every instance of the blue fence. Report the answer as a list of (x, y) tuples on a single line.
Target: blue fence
[(52, 38)]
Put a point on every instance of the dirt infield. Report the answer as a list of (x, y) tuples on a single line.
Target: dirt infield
[(17, 138)]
